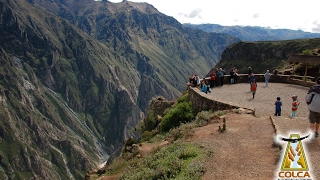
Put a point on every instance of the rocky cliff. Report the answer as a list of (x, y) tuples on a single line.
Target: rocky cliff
[(265, 54), (76, 76)]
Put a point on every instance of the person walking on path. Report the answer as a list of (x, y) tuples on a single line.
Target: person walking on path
[(295, 104), (313, 100), (267, 76), (278, 105), (253, 88)]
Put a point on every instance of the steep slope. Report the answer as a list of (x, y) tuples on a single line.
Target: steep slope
[(265, 55), (255, 33), (70, 96)]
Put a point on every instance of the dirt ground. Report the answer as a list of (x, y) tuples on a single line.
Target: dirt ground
[(245, 150)]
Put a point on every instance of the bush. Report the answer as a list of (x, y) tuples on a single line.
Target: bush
[(203, 118), (181, 113), (150, 122), (183, 98), (170, 162), (147, 135)]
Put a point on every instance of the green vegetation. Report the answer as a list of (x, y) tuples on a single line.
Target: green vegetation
[(307, 52), (181, 113), (179, 161)]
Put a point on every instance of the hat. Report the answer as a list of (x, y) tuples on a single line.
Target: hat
[(294, 97)]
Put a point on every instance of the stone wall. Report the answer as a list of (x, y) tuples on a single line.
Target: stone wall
[(201, 101), (243, 78)]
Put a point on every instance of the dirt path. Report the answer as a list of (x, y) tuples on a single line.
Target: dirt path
[(244, 151)]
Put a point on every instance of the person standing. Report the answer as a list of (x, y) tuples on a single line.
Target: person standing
[(212, 79), (232, 76), (313, 100), (221, 75), (295, 104), (253, 88), (249, 72), (278, 105), (267, 76), (236, 74), (198, 80), (217, 77)]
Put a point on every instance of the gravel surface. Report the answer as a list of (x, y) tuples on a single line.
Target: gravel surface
[(265, 97)]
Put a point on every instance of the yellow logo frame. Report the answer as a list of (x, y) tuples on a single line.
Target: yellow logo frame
[(294, 153)]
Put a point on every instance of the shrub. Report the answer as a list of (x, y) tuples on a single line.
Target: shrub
[(183, 98), (147, 135), (150, 122), (203, 118), (170, 162), (181, 113)]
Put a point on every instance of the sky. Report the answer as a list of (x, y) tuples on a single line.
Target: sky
[(276, 14)]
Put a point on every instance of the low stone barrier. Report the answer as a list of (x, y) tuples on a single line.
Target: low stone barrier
[(290, 79), (201, 101)]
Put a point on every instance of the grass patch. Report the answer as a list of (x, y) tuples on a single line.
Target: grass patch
[(179, 160)]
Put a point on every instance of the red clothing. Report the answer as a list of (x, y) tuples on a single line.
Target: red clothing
[(253, 86), (295, 105), (213, 76)]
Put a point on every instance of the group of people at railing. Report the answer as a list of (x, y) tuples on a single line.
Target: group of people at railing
[(312, 98)]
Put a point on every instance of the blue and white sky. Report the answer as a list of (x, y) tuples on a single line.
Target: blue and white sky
[(275, 14)]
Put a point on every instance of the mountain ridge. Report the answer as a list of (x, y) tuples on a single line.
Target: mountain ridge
[(255, 33), (69, 84)]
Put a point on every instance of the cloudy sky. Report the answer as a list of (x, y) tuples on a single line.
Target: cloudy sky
[(287, 14)]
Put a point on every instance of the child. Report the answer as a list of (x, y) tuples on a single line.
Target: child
[(295, 105), (204, 86), (253, 88), (278, 105)]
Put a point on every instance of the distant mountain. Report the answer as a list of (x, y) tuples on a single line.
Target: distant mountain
[(77, 75), (255, 33), (268, 55)]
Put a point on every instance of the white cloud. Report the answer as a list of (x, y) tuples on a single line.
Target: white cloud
[(289, 14)]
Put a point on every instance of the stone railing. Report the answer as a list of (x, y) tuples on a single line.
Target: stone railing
[(290, 79)]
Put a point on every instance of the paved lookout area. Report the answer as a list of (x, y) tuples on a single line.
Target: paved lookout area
[(265, 97)]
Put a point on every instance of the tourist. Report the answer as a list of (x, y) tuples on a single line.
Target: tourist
[(212, 79), (217, 77), (275, 72), (221, 75), (295, 104), (204, 85), (278, 105), (267, 76), (192, 82), (253, 88), (236, 74), (249, 72), (232, 76), (313, 100), (197, 80)]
